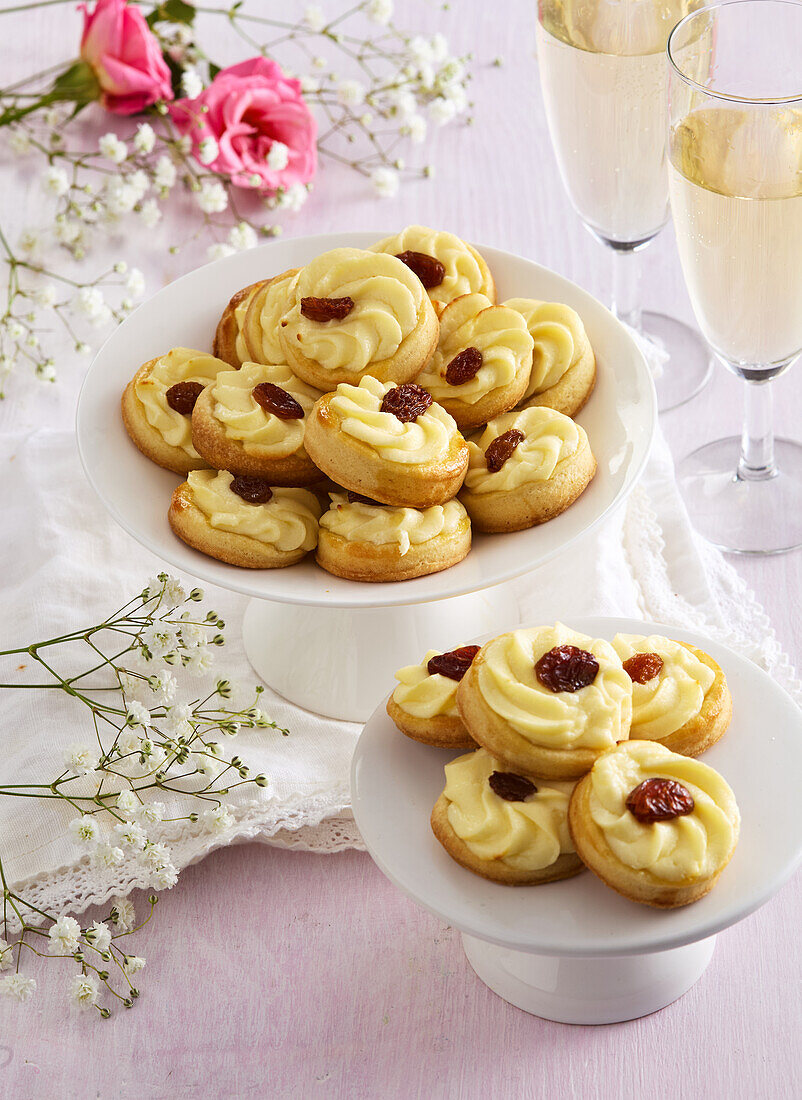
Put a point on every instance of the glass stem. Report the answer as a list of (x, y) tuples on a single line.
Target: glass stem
[(626, 287), (757, 440)]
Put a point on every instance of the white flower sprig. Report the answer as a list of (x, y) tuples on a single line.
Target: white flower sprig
[(148, 739), (374, 87)]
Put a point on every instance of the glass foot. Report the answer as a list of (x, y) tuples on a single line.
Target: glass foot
[(738, 514), (690, 363)]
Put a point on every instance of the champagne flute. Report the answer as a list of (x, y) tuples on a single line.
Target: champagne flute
[(735, 177), (603, 73)]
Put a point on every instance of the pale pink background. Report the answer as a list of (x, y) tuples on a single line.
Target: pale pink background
[(282, 974)]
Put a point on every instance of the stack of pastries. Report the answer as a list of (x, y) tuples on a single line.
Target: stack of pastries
[(373, 406), (581, 756)]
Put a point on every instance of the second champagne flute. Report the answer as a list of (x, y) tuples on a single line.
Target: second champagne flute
[(603, 73)]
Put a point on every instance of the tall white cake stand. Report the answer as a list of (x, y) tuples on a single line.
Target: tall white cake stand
[(322, 642), (575, 951)]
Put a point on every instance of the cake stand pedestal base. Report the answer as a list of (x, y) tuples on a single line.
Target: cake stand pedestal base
[(338, 661), (575, 990)]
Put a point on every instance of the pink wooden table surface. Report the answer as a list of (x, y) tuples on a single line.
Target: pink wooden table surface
[(283, 974)]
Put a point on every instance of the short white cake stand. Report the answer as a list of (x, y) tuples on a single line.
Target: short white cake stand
[(575, 951), (328, 644)]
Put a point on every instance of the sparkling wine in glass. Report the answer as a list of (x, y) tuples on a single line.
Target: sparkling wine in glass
[(603, 73), (735, 177)]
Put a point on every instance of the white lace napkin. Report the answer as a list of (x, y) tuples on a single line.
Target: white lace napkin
[(65, 564)]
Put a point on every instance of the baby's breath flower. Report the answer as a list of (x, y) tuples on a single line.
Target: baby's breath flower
[(208, 150), (122, 914), (351, 93), (132, 964), (218, 819), (153, 812), (145, 138), (138, 715), (80, 759), (164, 175), (415, 127), (30, 241), (199, 661), (278, 156), (112, 148), (164, 686), (129, 742), (83, 990), (380, 11), (67, 230), (294, 197), (47, 371), (160, 638), (84, 830), (64, 936), (6, 953), (242, 237), (135, 285), (107, 855), (19, 141), (90, 302), (219, 251), (18, 987), (45, 294), (150, 213), (55, 181), (385, 182), (309, 85), (130, 834), (438, 45), (212, 197), (191, 84), (314, 19), (128, 803), (442, 111), (99, 935)]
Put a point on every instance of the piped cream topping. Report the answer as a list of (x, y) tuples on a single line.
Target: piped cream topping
[(549, 439), (594, 717), (382, 524), (260, 431), (178, 365), (681, 850), (559, 338), (423, 694), (465, 272), (528, 835), (500, 334), (287, 522), (424, 440), (388, 299), (671, 698)]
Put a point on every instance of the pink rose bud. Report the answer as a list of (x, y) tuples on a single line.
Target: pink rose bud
[(125, 56), (250, 108)]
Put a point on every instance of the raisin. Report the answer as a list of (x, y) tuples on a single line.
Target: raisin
[(428, 268), (406, 402), (254, 490), (501, 448), (326, 309), (566, 668), (277, 401), (464, 367), (357, 498), (511, 787), (453, 664), (643, 667), (659, 800), (183, 395)]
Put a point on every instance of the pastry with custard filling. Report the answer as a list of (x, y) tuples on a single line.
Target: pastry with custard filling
[(563, 364), (680, 695), (525, 468), (229, 341), (353, 313), (363, 540), (252, 421), (157, 406), (482, 363), (656, 826), (390, 443), (424, 705), (446, 265), (546, 700), (243, 521), (505, 826), (260, 341)]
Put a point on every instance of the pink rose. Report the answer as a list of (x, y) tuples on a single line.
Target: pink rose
[(252, 106), (125, 56)]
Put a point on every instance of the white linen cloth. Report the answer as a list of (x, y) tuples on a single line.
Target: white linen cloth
[(66, 564)]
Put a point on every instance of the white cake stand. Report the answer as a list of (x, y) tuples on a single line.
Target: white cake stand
[(323, 642), (575, 951)]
